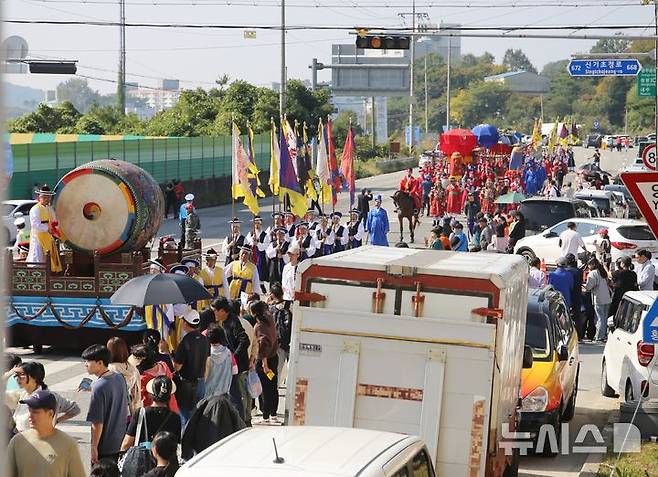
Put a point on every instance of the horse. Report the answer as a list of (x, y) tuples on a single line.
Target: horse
[(405, 205)]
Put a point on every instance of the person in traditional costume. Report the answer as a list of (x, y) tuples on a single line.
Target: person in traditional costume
[(355, 229), (311, 219), (340, 232), (323, 237), (455, 169), (305, 242), (233, 242), (277, 222), (241, 275), (377, 225), (212, 278), (454, 198), (160, 317), (277, 253), (182, 216), (258, 239), (179, 309), (43, 230), (411, 186), (488, 198), (290, 226)]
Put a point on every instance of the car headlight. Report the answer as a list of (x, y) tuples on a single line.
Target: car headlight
[(536, 401)]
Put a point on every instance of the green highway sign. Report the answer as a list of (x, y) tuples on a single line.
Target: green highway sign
[(646, 83)]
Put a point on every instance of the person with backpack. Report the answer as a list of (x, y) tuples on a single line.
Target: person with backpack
[(165, 453)]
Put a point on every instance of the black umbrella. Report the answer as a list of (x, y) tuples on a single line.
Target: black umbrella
[(159, 289)]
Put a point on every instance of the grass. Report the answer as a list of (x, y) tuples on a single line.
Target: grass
[(643, 464)]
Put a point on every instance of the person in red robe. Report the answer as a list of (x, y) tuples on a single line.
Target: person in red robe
[(456, 161), (411, 186), (454, 198)]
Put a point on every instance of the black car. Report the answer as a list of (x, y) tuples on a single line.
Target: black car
[(593, 140), (541, 213)]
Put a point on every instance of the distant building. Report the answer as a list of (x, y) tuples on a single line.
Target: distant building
[(523, 82), (153, 99), (440, 44)]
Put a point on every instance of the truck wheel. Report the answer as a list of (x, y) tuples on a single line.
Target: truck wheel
[(606, 390), (512, 470), (570, 410)]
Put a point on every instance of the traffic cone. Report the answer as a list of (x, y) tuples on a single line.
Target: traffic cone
[(542, 267)]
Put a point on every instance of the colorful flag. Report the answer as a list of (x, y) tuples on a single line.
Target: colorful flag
[(274, 161), (291, 141), (536, 134), (322, 166), (288, 183), (553, 137), (254, 178), (573, 135), (311, 182), (241, 187), (347, 164), (336, 182)]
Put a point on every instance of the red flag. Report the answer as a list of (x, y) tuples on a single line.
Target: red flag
[(347, 164), (333, 163)]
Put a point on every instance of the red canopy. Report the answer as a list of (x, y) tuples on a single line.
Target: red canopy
[(462, 141), (500, 148)]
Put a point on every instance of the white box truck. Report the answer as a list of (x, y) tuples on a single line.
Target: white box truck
[(420, 342)]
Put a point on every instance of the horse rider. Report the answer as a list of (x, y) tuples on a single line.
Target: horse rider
[(411, 186)]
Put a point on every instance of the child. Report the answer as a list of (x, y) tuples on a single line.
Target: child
[(220, 365), (434, 243), (164, 448)]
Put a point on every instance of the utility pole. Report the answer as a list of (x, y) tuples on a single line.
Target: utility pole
[(448, 84), (411, 77), (282, 87), (121, 82), (426, 114)]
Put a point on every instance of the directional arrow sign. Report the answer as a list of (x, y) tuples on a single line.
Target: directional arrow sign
[(650, 327), (643, 187), (604, 67)]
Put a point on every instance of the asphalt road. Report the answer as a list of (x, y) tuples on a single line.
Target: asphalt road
[(64, 371)]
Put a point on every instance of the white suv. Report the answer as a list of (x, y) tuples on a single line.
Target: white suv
[(627, 360), (626, 236)]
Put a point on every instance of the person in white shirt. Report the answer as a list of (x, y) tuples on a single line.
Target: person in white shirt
[(305, 242), (536, 278), (571, 240), (551, 190), (567, 191), (646, 272), (289, 273)]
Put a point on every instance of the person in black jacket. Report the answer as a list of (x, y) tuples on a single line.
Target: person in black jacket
[(364, 203), (238, 343), (623, 279), (516, 230), (576, 292)]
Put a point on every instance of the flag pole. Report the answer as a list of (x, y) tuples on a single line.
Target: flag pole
[(272, 133), (233, 126)]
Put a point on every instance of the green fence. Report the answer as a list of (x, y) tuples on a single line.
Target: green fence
[(185, 158)]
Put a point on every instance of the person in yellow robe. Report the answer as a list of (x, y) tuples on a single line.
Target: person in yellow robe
[(242, 275), (42, 227), (212, 278)]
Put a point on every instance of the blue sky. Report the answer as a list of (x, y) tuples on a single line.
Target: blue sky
[(198, 57)]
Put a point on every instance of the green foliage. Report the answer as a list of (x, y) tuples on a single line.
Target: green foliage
[(341, 125), (483, 102), (46, 119), (515, 60), (610, 45)]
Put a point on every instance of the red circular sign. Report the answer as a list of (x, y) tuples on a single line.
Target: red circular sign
[(649, 157)]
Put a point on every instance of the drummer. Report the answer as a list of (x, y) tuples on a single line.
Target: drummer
[(43, 225), (233, 242), (242, 275), (212, 278)]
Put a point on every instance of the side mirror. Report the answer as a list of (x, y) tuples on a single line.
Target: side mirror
[(527, 357), (563, 353), (550, 235)]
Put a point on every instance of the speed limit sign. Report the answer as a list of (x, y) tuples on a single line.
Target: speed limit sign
[(649, 157)]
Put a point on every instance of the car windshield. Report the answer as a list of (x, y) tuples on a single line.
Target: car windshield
[(542, 214), (7, 209), (636, 232), (537, 336), (602, 203)]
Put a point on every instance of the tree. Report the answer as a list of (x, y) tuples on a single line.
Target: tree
[(610, 45), (482, 102), (341, 125), (78, 92), (46, 119), (516, 60), (554, 69)]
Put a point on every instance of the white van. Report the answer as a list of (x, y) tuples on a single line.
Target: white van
[(312, 451)]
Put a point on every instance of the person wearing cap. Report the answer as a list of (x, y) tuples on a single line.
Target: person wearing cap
[(311, 219), (241, 275), (190, 363), (305, 242), (321, 235), (377, 225), (603, 247), (42, 226), (290, 225), (646, 272), (355, 230), (192, 225), (158, 417), (212, 277), (22, 235), (289, 273), (182, 216), (258, 240), (233, 242), (339, 232), (562, 280), (363, 204), (277, 221), (277, 253), (43, 450)]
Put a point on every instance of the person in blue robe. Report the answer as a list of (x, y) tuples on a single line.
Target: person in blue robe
[(377, 224)]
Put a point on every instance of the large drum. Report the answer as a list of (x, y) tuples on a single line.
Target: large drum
[(108, 206)]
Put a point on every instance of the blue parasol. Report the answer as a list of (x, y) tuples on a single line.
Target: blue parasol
[(487, 135)]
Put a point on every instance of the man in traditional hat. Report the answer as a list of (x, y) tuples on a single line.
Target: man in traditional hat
[(377, 224), (305, 242), (193, 268), (312, 219), (258, 240), (277, 221), (182, 216), (324, 239), (355, 229), (339, 232), (242, 275), (212, 277), (43, 225), (290, 226), (192, 226), (277, 253), (409, 184), (233, 242)]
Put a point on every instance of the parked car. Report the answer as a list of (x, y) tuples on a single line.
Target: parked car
[(640, 139), (626, 358), (606, 202), (550, 388), (627, 236), (593, 140), (309, 450), (9, 210), (541, 213), (633, 211)]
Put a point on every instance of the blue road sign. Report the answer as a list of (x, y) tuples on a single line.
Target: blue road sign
[(604, 67), (597, 125), (650, 329)]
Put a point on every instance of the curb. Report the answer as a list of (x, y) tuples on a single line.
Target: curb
[(593, 463)]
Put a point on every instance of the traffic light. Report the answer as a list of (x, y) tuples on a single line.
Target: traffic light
[(53, 67), (383, 42)]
